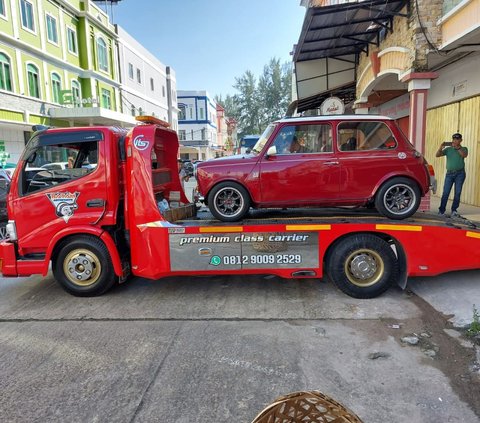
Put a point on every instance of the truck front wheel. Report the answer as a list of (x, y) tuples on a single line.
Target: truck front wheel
[(83, 267), (362, 266)]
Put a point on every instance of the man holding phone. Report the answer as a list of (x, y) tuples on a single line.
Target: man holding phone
[(455, 175)]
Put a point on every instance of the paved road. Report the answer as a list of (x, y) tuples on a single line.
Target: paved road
[(220, 349)]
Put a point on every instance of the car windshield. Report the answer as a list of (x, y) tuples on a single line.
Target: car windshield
[(263, 138)]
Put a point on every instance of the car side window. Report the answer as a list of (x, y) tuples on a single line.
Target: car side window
[(50, 165), (364, 136), (304, 139)]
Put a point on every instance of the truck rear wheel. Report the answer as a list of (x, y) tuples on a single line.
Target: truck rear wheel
[(83, 267), (362, 266)]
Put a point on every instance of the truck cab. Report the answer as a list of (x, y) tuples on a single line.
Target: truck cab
[(79, 217)]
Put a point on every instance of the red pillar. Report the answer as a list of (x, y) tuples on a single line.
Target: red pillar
[(418, 86)]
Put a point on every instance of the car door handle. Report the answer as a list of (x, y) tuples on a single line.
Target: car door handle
[(98, 202), (331, 163)]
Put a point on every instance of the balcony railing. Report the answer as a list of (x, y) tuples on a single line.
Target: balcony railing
[(194, 143)]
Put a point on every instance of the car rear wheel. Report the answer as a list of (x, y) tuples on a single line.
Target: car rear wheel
[(362, 266), (398, 198), (229, 201)]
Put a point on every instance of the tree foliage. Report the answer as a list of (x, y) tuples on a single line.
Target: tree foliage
[(257, 103)]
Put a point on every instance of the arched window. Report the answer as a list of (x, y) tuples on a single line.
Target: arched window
[(76, 94), (5, 73), (33, 81), (56, 87), (102, 56)]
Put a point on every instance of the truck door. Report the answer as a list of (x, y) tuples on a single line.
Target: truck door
[(304, 169), (60, 182)]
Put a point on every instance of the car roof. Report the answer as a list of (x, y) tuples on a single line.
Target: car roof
[(333, 117)]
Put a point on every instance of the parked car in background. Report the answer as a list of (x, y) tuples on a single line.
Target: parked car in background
[(322, 161), (246, 144)]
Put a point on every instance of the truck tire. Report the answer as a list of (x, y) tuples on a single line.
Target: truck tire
[(229, 201), (362, 266), (83, 267), (398, 198)]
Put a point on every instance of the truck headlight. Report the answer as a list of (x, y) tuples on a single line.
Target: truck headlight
[(11, 229)]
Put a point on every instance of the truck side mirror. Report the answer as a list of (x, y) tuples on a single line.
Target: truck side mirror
[(272, 151)]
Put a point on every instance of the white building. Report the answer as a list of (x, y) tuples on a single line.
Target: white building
[(148, 87), (197, 125)]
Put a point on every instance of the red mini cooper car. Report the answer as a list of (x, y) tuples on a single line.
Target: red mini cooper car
[(321, 161)]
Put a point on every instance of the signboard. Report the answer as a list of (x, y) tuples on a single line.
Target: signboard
[(332, 106), (235, 251)]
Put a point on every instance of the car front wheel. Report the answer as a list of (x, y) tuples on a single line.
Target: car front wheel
[(398, 198), (229, 201)]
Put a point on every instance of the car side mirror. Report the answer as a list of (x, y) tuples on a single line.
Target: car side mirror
[(272, 151)]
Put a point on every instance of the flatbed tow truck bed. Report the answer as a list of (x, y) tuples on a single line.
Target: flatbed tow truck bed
[(330, 216), (362, 252)]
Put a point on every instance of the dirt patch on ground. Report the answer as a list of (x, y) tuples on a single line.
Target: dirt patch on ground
[(452, 356)]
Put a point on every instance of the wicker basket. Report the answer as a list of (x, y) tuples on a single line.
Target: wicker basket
[(309, 406)]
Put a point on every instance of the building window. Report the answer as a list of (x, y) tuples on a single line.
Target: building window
[(106, 100), (27, 15), (52, 29), (102, 55), (163, 90), (5, 73), (77, 97), (133, 110), (2, 9), (191, 113), (130, 71), (181, 112), (140, 111), (56, 87), (182, 135), (139, 76), (152, 85), (72, 40), (33, 81), (202, 113)]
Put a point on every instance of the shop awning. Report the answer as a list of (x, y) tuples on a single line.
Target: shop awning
[(330, 43)]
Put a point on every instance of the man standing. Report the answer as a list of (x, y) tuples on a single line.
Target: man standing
[(455, 175)]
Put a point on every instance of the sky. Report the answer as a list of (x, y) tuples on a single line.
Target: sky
[(209, 43)]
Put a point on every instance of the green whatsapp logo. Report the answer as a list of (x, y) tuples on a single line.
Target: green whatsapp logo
[(215, 260)]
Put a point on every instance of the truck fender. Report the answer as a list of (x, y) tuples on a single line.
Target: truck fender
[(77, 230)]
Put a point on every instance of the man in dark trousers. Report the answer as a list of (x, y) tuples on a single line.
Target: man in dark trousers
[(455, 175)]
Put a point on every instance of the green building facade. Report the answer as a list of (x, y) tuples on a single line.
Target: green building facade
[(58, 66)]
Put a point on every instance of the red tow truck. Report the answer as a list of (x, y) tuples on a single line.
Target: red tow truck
[(121, 210)]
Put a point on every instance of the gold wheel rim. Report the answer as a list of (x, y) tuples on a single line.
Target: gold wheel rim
[(364, 267), (82, 267)]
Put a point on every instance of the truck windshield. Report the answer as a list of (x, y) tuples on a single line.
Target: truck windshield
[(264, 138)]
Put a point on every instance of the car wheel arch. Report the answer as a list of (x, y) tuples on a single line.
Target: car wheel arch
[(235, 181)]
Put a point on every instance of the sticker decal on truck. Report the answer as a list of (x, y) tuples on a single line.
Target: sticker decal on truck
[(65, 203)]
